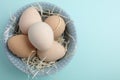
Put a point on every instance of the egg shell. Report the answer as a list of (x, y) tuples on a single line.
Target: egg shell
[(29, 17), (56, 52), (20, 46), (57, 24), (41, 36)]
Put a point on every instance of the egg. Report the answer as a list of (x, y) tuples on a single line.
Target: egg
[(41, 35), (20, 46), (29, 17), (56, 52), (57, 24)]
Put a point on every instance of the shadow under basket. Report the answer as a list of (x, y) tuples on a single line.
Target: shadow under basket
[(70, 29)]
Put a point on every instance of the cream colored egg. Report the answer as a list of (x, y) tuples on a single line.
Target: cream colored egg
[(20, 46), (56, 52), (57, 24), (41, 35), (29, 17)]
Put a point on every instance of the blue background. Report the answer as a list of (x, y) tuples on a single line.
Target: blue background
[(98, 33)]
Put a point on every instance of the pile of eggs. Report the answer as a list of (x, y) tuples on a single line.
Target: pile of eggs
[(38, 36)]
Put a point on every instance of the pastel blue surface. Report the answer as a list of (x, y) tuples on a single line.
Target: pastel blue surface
[(98, 29)]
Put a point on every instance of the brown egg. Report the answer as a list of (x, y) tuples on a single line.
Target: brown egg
[(20, 46), (29, 17), (57, 23), (56, 52)]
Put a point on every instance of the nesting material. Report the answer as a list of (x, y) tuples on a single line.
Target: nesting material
[(36, 63)]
